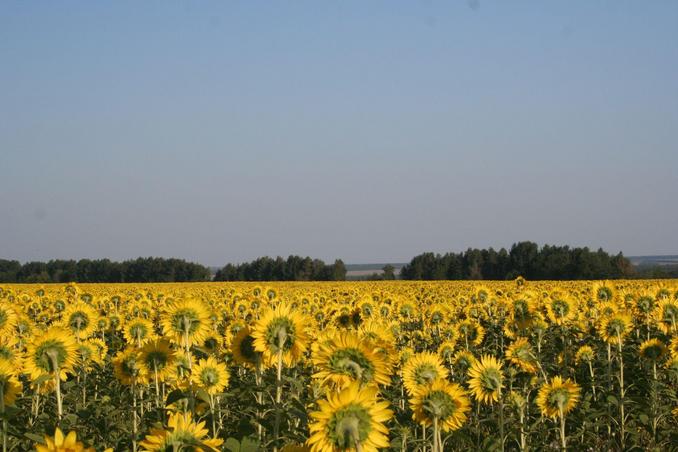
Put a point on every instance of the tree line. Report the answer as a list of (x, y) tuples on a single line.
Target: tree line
[(148, 269), (525, 259), (294, 268)]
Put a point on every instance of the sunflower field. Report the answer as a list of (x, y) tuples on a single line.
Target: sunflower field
[(347, 366)]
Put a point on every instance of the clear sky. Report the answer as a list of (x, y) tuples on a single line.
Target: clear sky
[(368, 130)]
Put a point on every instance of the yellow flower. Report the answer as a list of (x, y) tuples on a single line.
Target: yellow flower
[(521, 354), (186, 322), (448, 402), (281, 331), (346, 358), (127, 367), (156, 358), (138, 331), (51, 351), (182, 433), (352, 417), (614, 328), (243, 350), (653, 350), (9, 383), (423, 369), (585, 354), (558, 397), (210, 375), (61, 443), (80, 319), (486, 379)]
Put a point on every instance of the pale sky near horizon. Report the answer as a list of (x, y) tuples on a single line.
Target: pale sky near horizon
[(368, 131)]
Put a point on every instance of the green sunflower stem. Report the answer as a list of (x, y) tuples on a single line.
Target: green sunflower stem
[(4, 418), (134, 417), (563, 442), (622, 420), (278, 396), (436, 444), (501, 420)]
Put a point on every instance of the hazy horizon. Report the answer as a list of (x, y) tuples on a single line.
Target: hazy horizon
[(371, 132)]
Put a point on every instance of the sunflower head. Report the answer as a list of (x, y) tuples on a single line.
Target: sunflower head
[(446, 402), (348, 419), (653, 350), (486, 379), (558, 397), (55, 350)]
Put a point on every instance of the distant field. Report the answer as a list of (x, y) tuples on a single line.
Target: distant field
[(359, 270)]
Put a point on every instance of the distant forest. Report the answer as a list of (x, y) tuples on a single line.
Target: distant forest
[(149, 269), (295, 268), (525, 259)]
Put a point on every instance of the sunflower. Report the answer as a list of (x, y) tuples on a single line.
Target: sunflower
[(127, 367), (422, 369), (614, 328), (79, 318), (653, 350), (210, 375), (448, 402), (471, 332), (186, 322), (585, 354), (520, 353), (558, 397), (8, 320), (9, 383), (281, 332), (560, 308), (603, 291), (182, 433), (54, 350), (138, 331), (156, 358), (345, 358), (61, 443), (666, 316), (352, 418), (486, 379), (243, 350)]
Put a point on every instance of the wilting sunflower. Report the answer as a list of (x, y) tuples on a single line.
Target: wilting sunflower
[(9, 383), (486, 379), (448, 402), (614, 328), (51, 351), (653, 350), (61, 443), (558, 397), (138, 331), (156, 358), (346, 358), (352, 418), (182, 433), (281, 331), (243, 350), (186, 322), (210, 375), (80, 319), (520, 353), (422, 369)]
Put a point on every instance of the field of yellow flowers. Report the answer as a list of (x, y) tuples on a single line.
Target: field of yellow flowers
[(362, 366)]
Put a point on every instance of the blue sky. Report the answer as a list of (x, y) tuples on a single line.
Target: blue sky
[(370, 131)]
